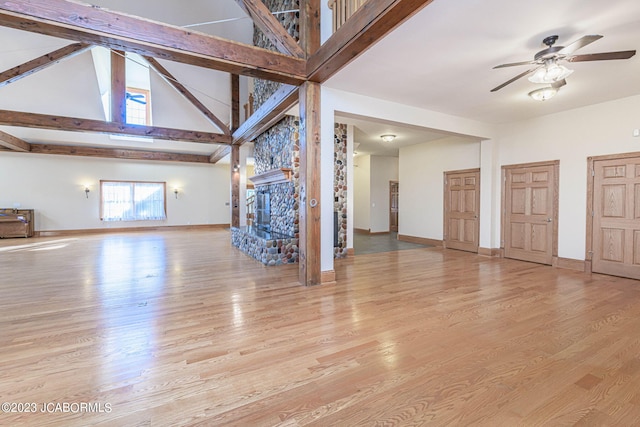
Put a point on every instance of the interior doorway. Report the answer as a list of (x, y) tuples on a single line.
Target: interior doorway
[(613, 226), (462, 210), (530, 212), (394, 189)]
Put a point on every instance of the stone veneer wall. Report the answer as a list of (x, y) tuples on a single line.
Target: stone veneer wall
[(340, 186), (279, 147), (263, 89), (273, 251)]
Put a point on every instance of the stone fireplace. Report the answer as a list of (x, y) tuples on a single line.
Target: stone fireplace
[(273, 239)]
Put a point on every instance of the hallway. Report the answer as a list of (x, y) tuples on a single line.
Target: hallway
[(366, 243)]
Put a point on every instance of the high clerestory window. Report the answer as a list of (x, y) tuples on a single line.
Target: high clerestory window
[(138, 111), (132, 201), (138, 84)]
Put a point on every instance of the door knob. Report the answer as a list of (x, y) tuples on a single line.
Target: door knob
[(549, 220)]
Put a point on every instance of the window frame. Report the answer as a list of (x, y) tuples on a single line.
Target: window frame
[(147, 106), (133, 184)]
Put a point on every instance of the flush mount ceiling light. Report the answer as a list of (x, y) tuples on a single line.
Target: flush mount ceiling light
[(543, 93), (388, 137)]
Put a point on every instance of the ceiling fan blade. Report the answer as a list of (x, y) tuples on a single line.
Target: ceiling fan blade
[(580, 43), (605, 56), (513, 64), (559, 84), (514, 79)]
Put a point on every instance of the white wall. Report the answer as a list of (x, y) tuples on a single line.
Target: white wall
[(171, 109), (571, 137), (334, 100), (371, 191), (383, 170), (422, 167), (54, 187), (362, 192)]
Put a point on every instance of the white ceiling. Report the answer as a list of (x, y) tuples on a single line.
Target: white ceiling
[(222, 18), (441, 60), (367, 132)]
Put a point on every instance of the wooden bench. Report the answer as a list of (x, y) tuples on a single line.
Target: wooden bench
[(16, 223)]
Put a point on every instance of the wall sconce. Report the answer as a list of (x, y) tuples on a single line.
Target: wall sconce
[(175, 191), (86, 191)]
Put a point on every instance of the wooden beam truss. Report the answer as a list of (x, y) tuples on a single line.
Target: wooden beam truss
[(45, 121), (14, 143), (89, 24), (269, 113), (41, 63), (116, 153), (186, 93), (272, 29)]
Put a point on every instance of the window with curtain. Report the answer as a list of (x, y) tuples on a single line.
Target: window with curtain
[(132, 201)]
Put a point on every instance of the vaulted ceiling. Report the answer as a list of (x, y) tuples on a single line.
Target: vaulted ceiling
[(70, 87)]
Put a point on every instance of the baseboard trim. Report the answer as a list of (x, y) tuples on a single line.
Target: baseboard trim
[(55, 233), (328, 277), (361, 230), (351, 252), (419, 240), (376, 233), (570, 264), (492, 252)]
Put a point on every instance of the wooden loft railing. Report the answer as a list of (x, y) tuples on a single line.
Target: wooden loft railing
[(342, 10)]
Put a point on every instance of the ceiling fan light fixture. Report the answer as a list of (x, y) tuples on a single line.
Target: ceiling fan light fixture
[(388, 137), (543, 93), (558, 72), (550, 73)]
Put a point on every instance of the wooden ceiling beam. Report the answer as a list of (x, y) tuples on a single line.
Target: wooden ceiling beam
[(43, 62), (219, 154), (186, 93), (45, 121), (90, 24), (269, 113), (372, 21), (271, 27), (310, 26), (14, 143), (118, 86), (117, 153), (235, 102)]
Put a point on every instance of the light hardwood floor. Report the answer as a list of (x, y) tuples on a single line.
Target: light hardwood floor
[(179, 328)]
